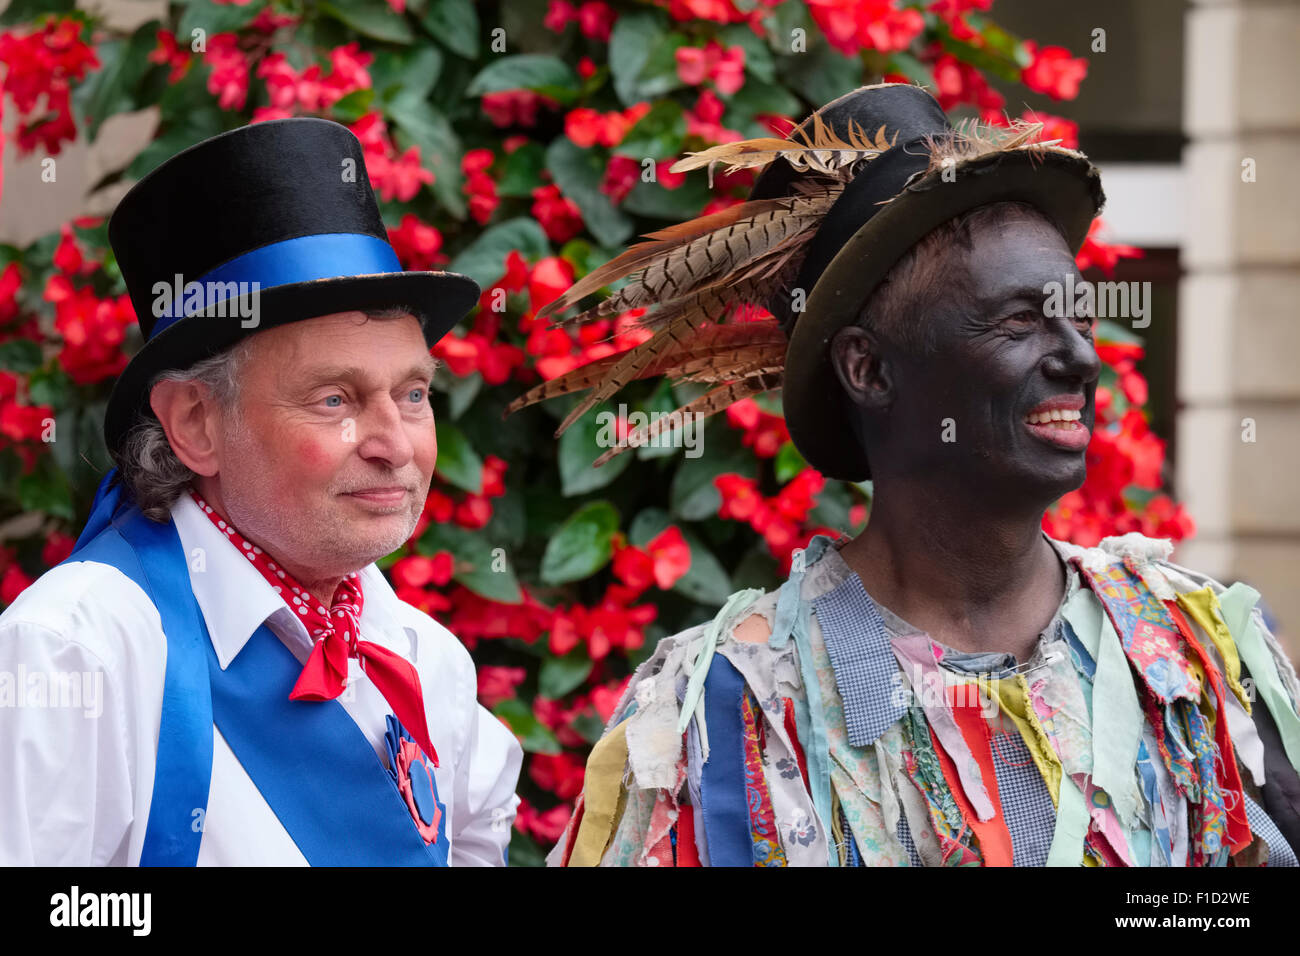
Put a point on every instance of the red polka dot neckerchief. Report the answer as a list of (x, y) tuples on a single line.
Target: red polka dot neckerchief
[(336, 634)]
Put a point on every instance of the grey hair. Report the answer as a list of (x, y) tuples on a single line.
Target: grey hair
[(149, 468)]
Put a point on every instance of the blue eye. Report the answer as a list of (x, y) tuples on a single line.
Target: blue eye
[(418, 391), (339, 397)]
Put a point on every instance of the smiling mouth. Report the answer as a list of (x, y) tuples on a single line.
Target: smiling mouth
[(1062, 427)]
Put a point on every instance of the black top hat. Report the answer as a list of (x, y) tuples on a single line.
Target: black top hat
[(285, 204), (888, 207)]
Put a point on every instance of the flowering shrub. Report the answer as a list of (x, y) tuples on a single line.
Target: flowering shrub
[(522, 144)]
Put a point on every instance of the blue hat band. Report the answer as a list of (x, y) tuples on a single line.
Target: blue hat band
[(304, 259)]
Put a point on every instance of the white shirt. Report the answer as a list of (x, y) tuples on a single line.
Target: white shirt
[(82, 661)]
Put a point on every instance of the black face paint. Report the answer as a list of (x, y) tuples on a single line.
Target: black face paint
[(960, 410)]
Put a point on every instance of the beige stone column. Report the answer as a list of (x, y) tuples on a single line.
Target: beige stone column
[(1239, 325)]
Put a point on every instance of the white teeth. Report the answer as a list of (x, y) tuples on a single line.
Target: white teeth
[(1063, 415)]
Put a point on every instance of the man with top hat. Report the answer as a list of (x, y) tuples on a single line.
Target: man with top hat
[(951, 687), (254, 691)]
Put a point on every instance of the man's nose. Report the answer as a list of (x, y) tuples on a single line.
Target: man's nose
[(382, 433), (1074, 356)]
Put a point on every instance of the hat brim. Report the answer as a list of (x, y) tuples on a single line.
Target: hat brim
[(441, 300), (1062, 183)]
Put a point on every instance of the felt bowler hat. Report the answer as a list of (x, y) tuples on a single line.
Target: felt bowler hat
[(264, 225), (892, 203)]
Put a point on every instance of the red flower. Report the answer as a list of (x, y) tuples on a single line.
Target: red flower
[(496, 684), (416, 243), (1053, 71), (740, 497), (1103, 255), (596, 20), (560, 774), (170, 53), (14, 582), (671, 556), (853, 25), (559, 216), (621, 176), (229, 78), (418, 571), (515, 107)]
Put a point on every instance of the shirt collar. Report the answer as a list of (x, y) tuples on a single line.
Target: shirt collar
[(218, 571)]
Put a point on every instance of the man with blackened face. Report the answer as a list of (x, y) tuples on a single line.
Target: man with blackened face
[(951, 686)]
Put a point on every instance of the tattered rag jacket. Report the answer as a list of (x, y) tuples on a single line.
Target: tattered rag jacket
[(1154, 725)]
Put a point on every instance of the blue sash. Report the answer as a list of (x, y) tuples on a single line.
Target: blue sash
[(310, 761)]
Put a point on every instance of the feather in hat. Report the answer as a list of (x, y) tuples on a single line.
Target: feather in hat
[(695, 274)]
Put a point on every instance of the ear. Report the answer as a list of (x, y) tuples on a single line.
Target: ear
[(862, 369), (191, 419)]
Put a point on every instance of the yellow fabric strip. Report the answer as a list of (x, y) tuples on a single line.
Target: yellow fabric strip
[(1203, 608), (601, 792), (1013, 697)]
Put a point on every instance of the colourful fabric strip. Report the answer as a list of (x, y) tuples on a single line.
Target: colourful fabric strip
[(1115, 707), (723, 785), (762, 821), (992, 833), (1222, 757), (1237, 603), (1203, 608), (601, 789), (1071, 831), (687, 853), (915, 653), (1152, 644)]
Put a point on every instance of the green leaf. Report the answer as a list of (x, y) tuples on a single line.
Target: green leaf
[(524, 852), (52, 387), (353, 106), (903, 62), (214, 18), (534, 736), (820, 75), (578, 172), (523, 71), (707, 580), (756, 97), (454, 24), (634, 37), (582, 546), (478, 565), (1108, 331), (458, 463), (788, 462), (26, 11), (413, 71), (654, 201), (693, 495), (523, 171), (584, 442), (46, 490), (461, 394), (377, 20), (657, 135), (560, 675), (588, 725), (20, 355), (483, 260), (440, 148)]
